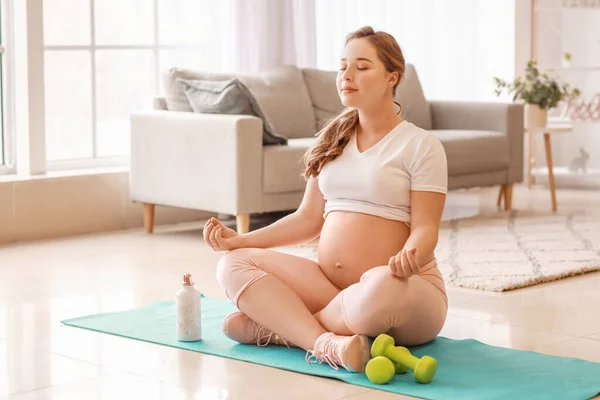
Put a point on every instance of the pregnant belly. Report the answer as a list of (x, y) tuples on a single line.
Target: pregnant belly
[(352, 243)]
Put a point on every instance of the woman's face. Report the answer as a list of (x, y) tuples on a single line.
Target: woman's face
[(363, 81)]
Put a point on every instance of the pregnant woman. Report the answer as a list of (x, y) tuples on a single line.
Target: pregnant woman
[(376, 189)]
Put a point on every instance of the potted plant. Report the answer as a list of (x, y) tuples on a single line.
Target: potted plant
[(566, 61), (539, 91)]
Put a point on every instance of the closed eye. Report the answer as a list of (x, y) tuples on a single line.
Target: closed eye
[(360, 69)]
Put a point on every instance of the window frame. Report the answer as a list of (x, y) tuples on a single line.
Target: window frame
[(7, 149)]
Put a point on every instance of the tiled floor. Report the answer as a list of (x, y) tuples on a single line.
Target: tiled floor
[(44, 282)]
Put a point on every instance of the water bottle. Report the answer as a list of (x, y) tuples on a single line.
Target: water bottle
[(188, 309)]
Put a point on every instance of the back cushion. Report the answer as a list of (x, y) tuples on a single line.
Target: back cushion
[(326, 100), (323, 93), (281, 93), (409, 94), (175, 91)]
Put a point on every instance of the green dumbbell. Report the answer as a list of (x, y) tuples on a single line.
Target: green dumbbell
[(400, 369), (424, 368), (380, 370)]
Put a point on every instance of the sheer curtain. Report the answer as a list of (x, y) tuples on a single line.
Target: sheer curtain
[(272, 33), (456, 46)]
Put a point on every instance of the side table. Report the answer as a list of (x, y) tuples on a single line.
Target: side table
[(550, 128)]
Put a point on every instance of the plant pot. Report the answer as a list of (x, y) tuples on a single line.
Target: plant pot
[(536, 117)]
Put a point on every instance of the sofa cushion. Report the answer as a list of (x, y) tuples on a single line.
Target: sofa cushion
[(175, 91), (228, 97), (323, 93), (472, 152), (409, 94), (283, 168), (281, 93)]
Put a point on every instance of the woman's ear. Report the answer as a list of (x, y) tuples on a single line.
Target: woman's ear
[(393, 78)]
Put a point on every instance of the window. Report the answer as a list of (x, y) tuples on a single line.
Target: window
[(103, 59), (456, 46)]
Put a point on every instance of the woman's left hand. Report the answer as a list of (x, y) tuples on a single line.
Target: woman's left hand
[(404, 264)]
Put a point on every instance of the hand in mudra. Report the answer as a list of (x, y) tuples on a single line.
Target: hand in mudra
[(220, 237), (405, 263)]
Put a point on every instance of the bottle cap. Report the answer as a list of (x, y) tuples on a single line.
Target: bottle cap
[(187, 280)]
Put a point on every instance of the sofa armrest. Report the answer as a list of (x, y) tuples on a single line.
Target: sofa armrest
[(489, 116), (200, 161)]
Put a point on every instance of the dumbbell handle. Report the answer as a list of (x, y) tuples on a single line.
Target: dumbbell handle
[(402, 356)]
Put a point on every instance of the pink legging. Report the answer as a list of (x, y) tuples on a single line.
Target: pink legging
[(413, 310)]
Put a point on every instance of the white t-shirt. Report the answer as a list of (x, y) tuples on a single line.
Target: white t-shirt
[(378, 181)]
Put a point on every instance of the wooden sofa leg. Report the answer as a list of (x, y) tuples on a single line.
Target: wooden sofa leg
[(508, 191), (243, 223), (149, 217), (500, 195)]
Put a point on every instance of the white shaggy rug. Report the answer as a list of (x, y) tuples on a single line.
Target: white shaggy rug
[(511, 250)]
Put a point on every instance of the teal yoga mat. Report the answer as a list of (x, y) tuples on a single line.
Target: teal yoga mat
[(468, 369)]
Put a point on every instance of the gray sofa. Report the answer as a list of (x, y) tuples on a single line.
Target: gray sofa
[(218, 163)]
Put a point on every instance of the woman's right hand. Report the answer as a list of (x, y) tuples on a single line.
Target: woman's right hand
[(219, 237)]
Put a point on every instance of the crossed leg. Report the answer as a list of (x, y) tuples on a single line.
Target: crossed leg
[(292, 297), (278, 291)]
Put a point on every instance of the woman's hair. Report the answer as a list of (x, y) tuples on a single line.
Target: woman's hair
[(336, 134)]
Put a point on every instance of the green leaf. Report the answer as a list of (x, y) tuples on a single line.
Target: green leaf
[(537, 88)]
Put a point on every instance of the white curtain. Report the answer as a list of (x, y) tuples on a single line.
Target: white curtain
[(271, 33), (456, 46)]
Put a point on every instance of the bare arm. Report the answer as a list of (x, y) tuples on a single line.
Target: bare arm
[(425, 217), (301, 226)]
